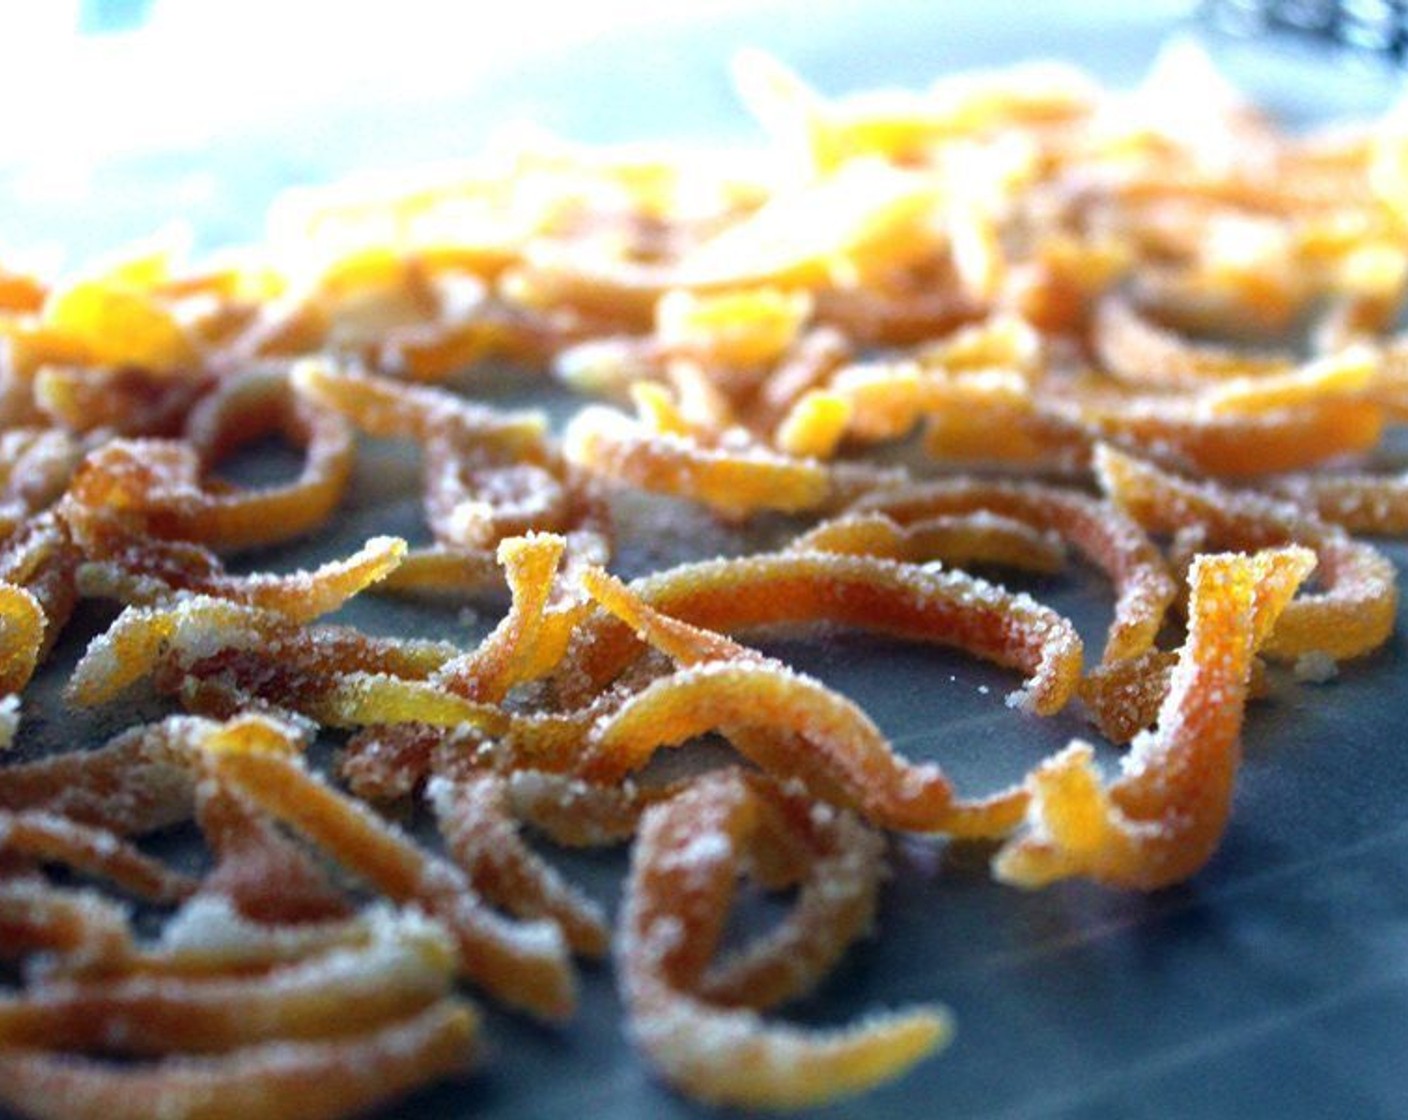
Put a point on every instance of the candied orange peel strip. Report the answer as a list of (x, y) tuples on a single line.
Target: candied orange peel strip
[(125, 400), (264, 875), (159, 482), (575, 813), (41, 557), (1161, 820), (1139, 351), (336, 667), (807, 732), (683, 869), (153, 570), (21, 636), (1231, 444), (733, 482), (1115, 543), (1353, 613), (389, 409), (884, 401), (1359, 503), (406, 965), (239, 411), (839, 863), (76, 924), (883, 596), (791, 725), (523, 964), (475, 818), (489, 474), (139, 781), (957, 539), (113, 324), (1346, 374), (533, 636), (319, 1080), (47, 838)]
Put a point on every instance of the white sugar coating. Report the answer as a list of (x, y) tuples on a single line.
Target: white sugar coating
[(1020, 700), (540, 940), (440, 793), (1316, 667), (200, 634), (594, 815), (700, 851), (398, 952), (210, 925), (9, 720), (579, 438)]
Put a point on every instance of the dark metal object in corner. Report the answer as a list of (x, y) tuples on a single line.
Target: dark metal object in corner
[(1367, 28)]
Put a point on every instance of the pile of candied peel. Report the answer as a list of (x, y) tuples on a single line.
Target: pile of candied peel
[(989, 324)]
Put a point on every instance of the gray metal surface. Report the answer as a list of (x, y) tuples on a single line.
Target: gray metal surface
[(1274, 984)]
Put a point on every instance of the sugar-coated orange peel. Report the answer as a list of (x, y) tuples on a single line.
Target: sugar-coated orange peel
[(1359, 503), (264, 875), (683, 870), (448, 572), (791, 725), (883, 596), (533, 636), (389, 409), (40, 556), (1141, 352), (838, 863), (161, 483), (385, 762), (300, 667), (475, 817), (735, 482), (1113, 542), (489, 474), (406, 965), (41, 837), (114, 323), (318, 1080), (575, 813), (805, 732), (1230, 444), (1353, 613), (125, 400), (139, 781), (21, 636), (957, 539), (76, 924), (36, 464), (524, 964), (1162, 819), (151, 570)]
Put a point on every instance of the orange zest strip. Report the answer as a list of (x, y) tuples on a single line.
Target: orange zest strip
[(278, 1080), (524, 964), (881, 596), (1162, 819), (1353, 613), (683, 869)]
